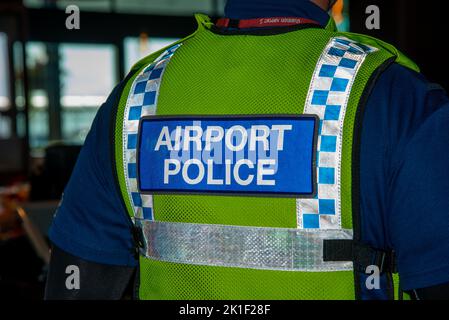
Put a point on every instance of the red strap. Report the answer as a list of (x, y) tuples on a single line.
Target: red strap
[(263, 22)]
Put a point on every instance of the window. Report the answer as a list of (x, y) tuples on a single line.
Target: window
[(162, 7), (4, 74), (88, 75), (5, 127), (37, 64), (138, 48), (85, 74), (173, 7)]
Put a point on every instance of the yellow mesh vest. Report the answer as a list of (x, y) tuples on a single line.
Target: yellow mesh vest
[(215, 74)]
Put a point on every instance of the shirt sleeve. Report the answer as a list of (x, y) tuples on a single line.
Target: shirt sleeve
[(91, 222), (405, 159), (419, 209)]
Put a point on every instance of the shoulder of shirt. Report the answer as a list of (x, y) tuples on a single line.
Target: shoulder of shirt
[(406, 94), (404, 100), (400, 80)]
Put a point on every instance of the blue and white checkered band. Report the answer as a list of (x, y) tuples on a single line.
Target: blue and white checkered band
[(328, 98), (142, 101)]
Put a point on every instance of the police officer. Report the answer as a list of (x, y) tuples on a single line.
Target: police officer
[(266, 156)]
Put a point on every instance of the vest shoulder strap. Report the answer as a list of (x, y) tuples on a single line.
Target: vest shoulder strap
[(401, 58)]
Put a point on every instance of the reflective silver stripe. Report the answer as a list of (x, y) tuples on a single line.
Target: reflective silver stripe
[(240, 247)]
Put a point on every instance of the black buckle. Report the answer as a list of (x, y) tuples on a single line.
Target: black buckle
[(138, 239), (365, 256), (362, 255)]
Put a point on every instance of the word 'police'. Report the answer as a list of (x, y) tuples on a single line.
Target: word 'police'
[(182, 138)]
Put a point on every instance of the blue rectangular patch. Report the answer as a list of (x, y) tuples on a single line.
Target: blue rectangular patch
[(241, 155)]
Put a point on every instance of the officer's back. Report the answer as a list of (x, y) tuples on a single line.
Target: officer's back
[(248, 160)]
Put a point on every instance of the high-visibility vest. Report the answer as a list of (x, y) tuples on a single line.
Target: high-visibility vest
[(238, 223)]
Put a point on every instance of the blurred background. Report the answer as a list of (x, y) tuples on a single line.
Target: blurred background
[(53, 80)]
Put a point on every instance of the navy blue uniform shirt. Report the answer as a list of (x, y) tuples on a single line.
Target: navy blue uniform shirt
[(404, 172)]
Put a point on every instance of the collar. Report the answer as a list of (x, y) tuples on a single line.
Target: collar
[(254, 9), (204, 22), (264, 22)]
